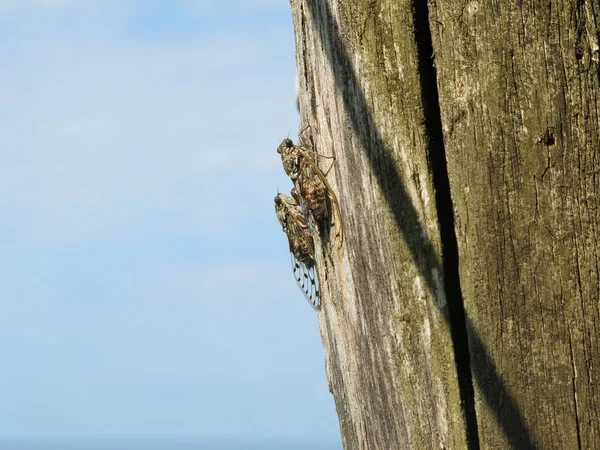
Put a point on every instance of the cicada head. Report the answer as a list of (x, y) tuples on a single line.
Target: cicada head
[(286, 209), (287, 143), (280, 210)]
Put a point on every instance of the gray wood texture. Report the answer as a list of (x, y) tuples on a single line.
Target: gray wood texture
[(520, 98), (461, 310)]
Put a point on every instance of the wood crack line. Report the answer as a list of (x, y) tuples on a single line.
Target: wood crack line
[(576, 406), (443, 198)]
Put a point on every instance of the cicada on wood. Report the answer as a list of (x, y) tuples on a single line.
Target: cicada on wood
[(302, 249), (310, 183)]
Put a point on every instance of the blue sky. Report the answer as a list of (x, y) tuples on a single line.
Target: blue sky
[(145, 282)]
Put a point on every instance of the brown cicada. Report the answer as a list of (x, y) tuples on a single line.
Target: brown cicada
[(311, 188), (302, 249)]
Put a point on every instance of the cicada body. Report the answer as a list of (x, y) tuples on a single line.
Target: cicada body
[(312, 189), (310, 184), (290, 158), (294, 223)]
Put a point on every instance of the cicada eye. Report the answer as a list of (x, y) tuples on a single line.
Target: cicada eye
[(288, 143)]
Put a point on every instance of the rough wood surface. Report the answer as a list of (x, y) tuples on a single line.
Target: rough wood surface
[(520, 99), (483, 194), (388, 349)]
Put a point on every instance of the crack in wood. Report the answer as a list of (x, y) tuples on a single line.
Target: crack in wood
[(444, 206), (575, 391)]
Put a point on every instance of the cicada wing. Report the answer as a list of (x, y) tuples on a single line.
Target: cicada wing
[(308, 281), (311, 163)]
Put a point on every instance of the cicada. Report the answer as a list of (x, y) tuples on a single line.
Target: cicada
[(302, 249), (310, 184)]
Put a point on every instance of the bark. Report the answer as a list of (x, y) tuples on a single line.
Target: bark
[(470, 215), (519, 93)]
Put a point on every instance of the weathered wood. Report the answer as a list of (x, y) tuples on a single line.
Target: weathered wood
[(520, 99), (484, 194), (388, 347)]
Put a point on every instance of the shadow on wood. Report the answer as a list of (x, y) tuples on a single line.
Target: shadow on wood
[(482, 368)]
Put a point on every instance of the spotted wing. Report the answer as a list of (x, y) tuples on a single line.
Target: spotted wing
[(308, 281)]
